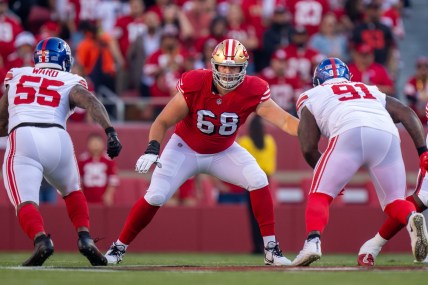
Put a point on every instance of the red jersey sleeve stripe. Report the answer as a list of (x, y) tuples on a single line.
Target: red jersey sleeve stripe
[(301, 101), (178, 86), (83, 83), (8, 77)]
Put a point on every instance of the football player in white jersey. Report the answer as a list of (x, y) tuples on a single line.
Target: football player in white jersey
[(371, 248), (33, 114), (359, 122)]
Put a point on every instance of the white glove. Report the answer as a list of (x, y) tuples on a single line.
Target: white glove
[(145, 162)]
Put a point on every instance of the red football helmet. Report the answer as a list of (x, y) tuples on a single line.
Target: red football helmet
[(229, 52)]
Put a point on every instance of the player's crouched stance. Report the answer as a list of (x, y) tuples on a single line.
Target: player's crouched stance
[(358, 120), (33, 114), (207, 111)]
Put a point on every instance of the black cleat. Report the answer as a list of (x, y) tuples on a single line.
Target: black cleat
[(43, 248), (88, 248)]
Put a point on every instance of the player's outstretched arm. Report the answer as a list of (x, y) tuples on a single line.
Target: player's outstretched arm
[(274, 114), (309, 136), (81, 97), (174, 112), (401, 113), (4, 113)]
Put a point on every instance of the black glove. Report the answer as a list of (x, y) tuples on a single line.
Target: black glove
[(113, 144)]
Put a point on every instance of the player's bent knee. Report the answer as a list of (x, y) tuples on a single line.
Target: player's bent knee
[(155, 199), (257, 180)]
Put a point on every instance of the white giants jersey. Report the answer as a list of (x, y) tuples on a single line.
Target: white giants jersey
[(339, 105), (40, 95)]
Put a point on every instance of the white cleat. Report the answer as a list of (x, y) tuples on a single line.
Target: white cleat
[(273, 255), (368, 253), (115, 253), (311, 252), (418, 236)]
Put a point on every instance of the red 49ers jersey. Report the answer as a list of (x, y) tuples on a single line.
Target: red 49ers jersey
[(213, 120)]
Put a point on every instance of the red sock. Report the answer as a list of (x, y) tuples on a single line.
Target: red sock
[(262, 205), (77, 209), (138, 218), (30, 220), (317, 212), (391, 226), (412, 200), (400, 210)]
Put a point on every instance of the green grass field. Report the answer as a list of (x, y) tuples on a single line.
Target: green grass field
[(190, 269)]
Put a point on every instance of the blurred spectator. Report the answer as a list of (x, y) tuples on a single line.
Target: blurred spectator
[(301, 58), (143, 47), (308, 13), (240, 30), (10, 27), (378, 36), (96, 54), (165, 65), (354, 10), (81, 10), (173, 16), (204, 61), (158, 7), (278, 33), (200, 14), (40, 13), (329, 41), (47, 193), (218, 30), (284, 89), (48, 29), (391, 17), (416, 89), (98, 172), (127, 29), (364, 69), (24, 51)]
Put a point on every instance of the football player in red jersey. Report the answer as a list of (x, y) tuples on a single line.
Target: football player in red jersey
[(208, 110)]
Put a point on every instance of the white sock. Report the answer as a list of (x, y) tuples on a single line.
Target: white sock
[(267, 239), (379, 240), (118, 242)]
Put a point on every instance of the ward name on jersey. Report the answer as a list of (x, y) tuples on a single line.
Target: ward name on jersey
[(40, 95), (213, 120)]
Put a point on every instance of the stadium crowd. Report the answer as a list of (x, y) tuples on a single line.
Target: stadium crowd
[(140, 48)]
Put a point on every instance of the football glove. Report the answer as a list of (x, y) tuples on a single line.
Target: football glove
[(150, 156), (113, 144), (423, 161)]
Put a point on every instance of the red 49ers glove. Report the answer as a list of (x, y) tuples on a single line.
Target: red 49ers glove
[(423, 162)]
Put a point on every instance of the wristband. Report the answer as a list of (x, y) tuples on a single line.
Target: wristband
[(109, 130), (153, 147), (421, 150)]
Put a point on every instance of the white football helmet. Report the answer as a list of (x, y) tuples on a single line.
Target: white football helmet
[(229, 52)]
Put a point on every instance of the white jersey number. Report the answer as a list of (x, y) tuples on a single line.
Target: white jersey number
[(29, 93), (229, 123)]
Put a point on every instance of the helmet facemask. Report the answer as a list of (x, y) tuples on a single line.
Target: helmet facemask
[(229, 53)]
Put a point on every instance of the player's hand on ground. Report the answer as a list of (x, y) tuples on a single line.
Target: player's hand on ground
[(113, 144), (150, 156)]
